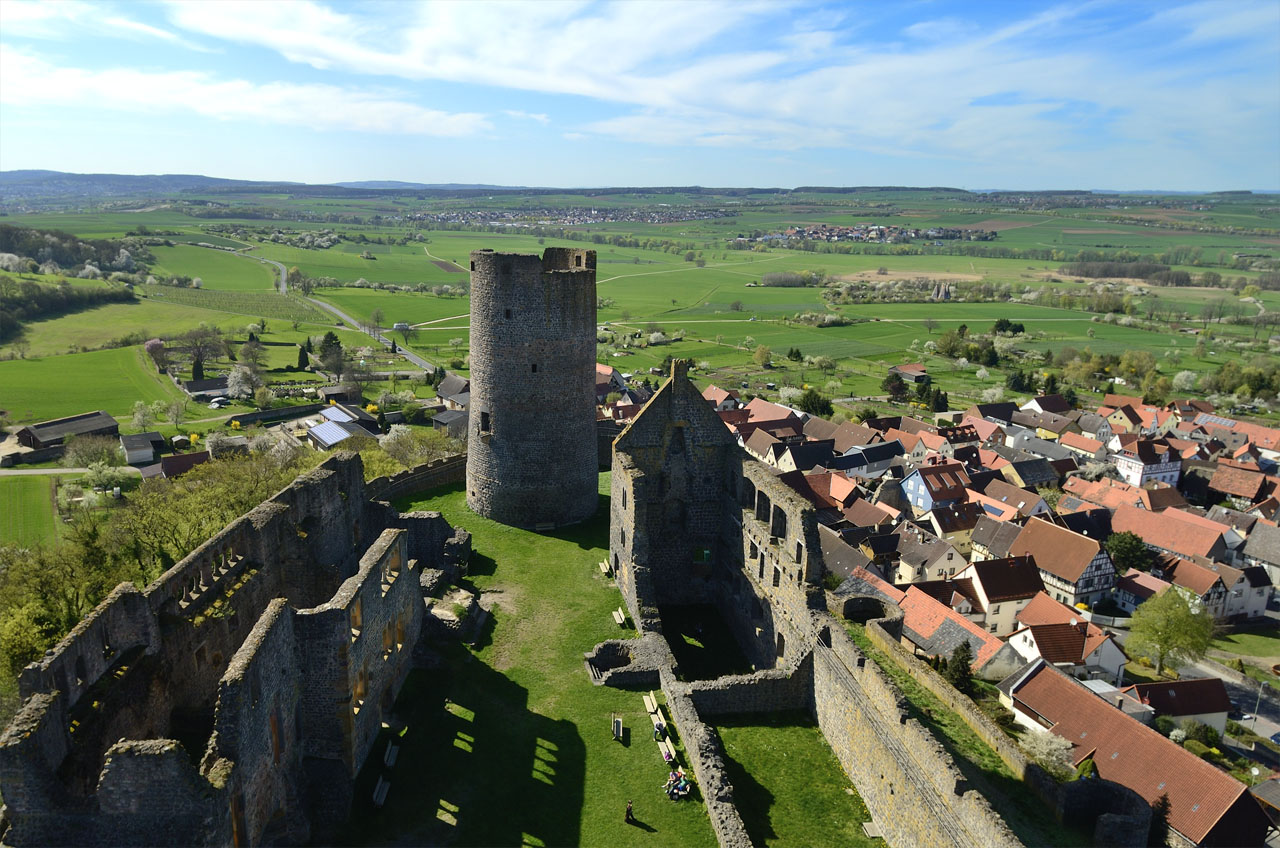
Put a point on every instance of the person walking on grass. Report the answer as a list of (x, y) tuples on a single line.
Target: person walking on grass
[(630, 816)]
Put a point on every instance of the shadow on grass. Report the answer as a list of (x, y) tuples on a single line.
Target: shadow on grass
[(590, 534), (750, 796), (703, 644), (475, 767), (481, 565)]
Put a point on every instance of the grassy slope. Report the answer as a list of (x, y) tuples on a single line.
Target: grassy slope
[(111, 380), (788, 785), (509, 743), (218, 269), (26, 510)]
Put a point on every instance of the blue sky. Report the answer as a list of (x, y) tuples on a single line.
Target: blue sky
[(1112, 95)]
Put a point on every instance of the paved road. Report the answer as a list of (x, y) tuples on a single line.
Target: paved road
[(355, 325)]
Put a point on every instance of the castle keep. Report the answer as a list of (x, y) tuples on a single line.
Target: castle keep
[(234, 700), (532, 459)]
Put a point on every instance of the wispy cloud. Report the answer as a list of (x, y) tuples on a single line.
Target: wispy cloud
[(30, 80), (61, 19), (540, 117)]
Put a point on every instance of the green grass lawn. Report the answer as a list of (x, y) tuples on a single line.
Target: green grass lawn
[(217, 269), (26, 510), (1250, 643), (508, 743), (111, 380), (788, 786)]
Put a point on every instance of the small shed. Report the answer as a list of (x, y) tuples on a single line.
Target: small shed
[(142, 448), (453, 422)]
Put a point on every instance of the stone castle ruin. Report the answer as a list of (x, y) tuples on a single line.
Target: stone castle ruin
[(695, 521), (532, 459), (234, 700)]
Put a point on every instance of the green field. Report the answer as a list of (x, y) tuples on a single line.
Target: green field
[(218, 269), (788, 786), (508, 742), (26, 510), (1250, 643), (56, 386)]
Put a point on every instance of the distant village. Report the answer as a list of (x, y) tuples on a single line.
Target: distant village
[(873, 233)]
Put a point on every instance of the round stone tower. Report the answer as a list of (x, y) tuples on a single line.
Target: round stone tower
[(532, 459)]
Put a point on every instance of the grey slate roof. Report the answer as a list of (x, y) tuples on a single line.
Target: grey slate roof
[(995, 536), (1264, 544)]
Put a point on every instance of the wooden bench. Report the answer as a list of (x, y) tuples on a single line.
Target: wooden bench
[(604, 568), (668, 751), (615, 724), (620, 617), (380, 792), (650, 704)]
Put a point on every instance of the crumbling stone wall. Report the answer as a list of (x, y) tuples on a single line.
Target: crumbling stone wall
[(218, 663), (532, 455), (678, 477)]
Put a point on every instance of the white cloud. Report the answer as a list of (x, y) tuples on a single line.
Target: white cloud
[(27, 80), (61, 19), (540, 117)]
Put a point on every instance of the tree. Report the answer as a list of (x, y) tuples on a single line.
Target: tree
[(408, 333), (930, 324), (242, 382), (263, 397), (253, 353), (83, 451), (1049, 750), (1166, 630), (1127, 550), (866, 413), (1050, 384), (175, 412), (762, 356), (303, 360), (825, 364), (895, 387), (376, 321), (1158, 834), (455, 344), (736, 306), (959, 671), (814, 403), (142, 415), (202, 343), (1184, 381)]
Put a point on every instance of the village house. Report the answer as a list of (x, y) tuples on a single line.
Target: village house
[(1203, 699), (953, 524), (932, 629), (1003, 587), (721, 399), (1076, 569), (1062, 638), (1173, 531), (142, 448), (1262, 549), (1148, 460), (911, 372), (1135, 587), (992, 539), (1206, 805), (932, 486)]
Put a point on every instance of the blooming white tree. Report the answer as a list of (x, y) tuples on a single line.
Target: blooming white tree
[(657, 338), (995, 394), (1184, 381), (983, 374), (789, 394), (242, 382)]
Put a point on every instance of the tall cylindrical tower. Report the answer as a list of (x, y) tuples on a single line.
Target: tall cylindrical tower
[(531, 455)]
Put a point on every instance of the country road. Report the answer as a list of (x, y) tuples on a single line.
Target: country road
[(355, 325)]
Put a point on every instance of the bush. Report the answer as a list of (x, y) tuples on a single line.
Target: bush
[(1197, 748), (1165, 725)]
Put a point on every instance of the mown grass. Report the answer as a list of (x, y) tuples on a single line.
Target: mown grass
[(53, 387), (26, 510), (508, 743), (217, 269), (1012, 799), (788, 785), (1250, 643)]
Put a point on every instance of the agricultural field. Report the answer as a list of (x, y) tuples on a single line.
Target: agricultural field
[(218, 270), (715, 314), (57, 386), (27, 514)]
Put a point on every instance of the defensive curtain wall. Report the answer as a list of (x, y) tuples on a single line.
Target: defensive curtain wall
[(532, 449), (234, 700), (695, 521)]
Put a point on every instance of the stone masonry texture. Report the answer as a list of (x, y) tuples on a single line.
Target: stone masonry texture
[(532, 457)]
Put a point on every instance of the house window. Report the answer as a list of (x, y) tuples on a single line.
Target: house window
[(993, 628)]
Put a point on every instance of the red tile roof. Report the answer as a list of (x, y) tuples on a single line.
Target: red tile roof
[(1056, 549), (924, 615), (1203, 799), (1171, 530), (1080, 442), (1233, 480)]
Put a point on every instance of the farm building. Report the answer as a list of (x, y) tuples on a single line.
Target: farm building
[(911, 372), (48, 434), (141, 448), (453, 422)]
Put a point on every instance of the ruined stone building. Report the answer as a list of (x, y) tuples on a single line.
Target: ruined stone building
[(694, 520), (234, 700), (532, 456)]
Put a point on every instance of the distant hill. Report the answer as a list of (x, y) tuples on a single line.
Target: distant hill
[(403, 186), (19, 185)]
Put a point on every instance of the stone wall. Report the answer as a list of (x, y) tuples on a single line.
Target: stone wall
[(913, 789), (29, 457), (217, 661), (532, 444), (285, 413), (438, 472)]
